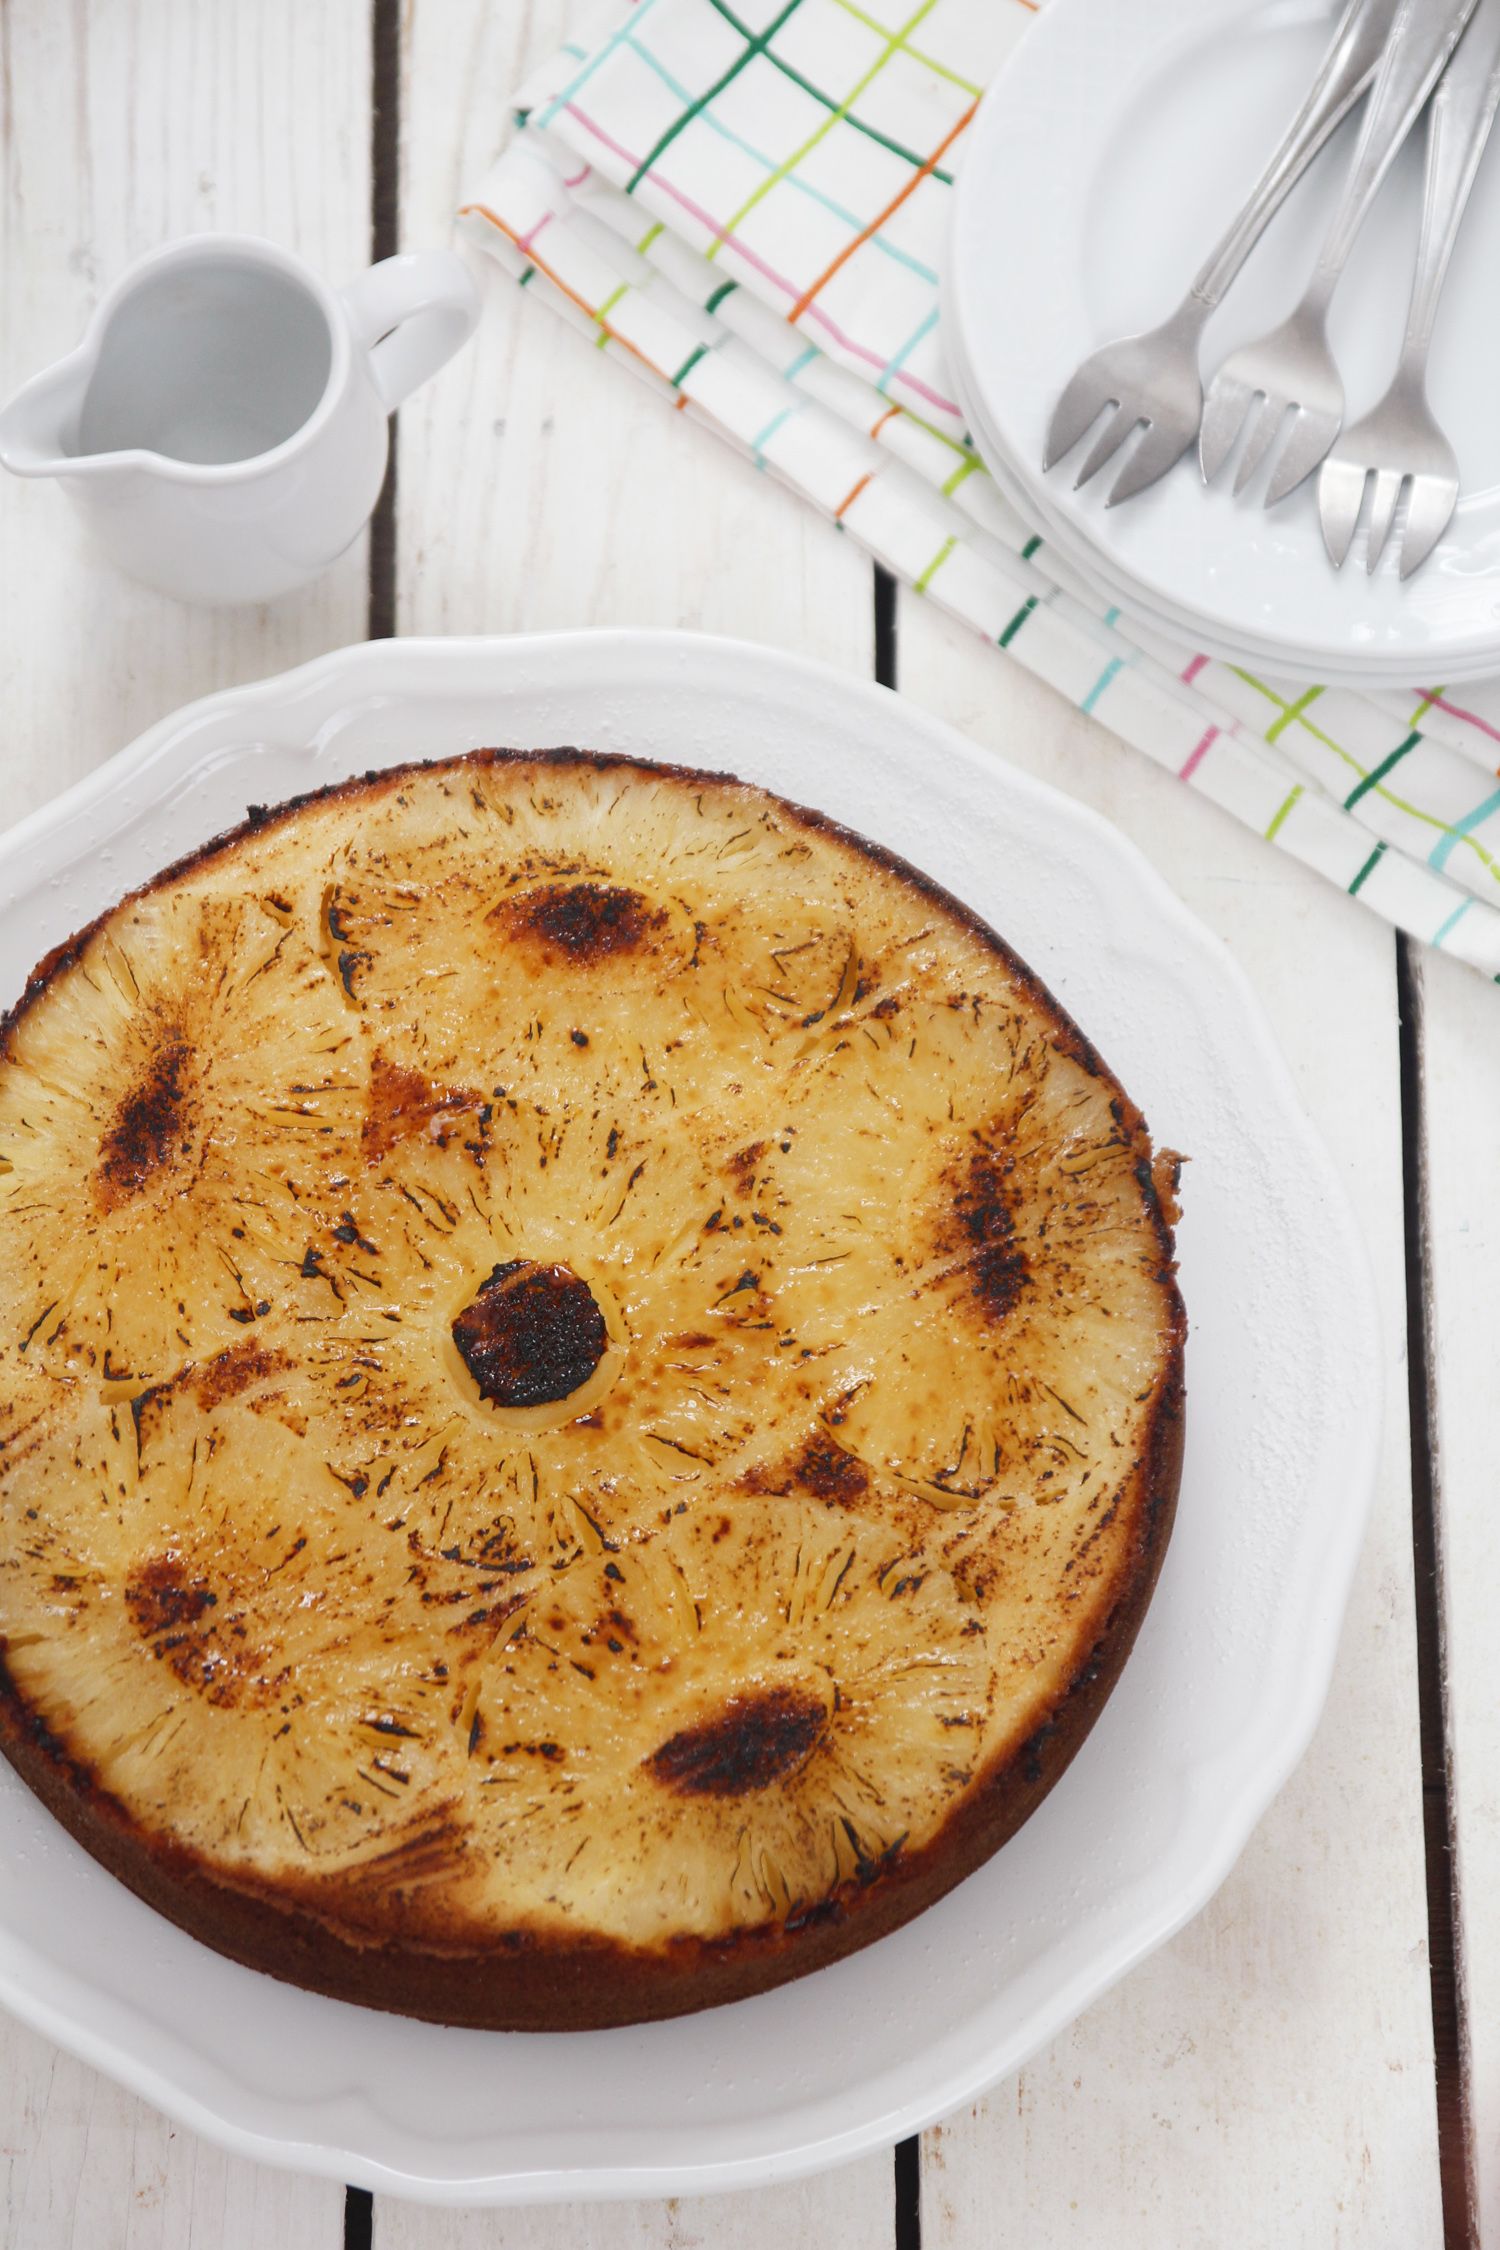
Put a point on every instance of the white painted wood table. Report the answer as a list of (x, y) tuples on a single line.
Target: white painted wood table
[(1315, 2061)]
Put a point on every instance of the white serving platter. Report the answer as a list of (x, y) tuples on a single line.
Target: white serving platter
[(1227, 1679)]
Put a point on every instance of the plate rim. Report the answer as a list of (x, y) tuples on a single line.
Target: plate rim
[(373, 669)]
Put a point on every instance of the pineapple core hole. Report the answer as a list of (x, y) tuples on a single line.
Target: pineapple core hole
[(531, 1335)]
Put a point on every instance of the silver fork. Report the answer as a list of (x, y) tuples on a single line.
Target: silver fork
[(1153, 378), (1291, 371), (1400, 439)]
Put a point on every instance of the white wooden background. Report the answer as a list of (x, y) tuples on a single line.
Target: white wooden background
[(1270, 2077)]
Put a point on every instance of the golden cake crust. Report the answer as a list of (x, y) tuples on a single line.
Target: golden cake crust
[(1018, 1590)]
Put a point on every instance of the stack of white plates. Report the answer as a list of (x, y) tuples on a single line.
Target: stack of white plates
[(1103, 165)]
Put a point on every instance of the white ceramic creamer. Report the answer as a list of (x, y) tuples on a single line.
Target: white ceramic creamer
[(223, 424)]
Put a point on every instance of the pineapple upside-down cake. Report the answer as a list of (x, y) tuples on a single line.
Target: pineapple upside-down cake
[(590, 1389)]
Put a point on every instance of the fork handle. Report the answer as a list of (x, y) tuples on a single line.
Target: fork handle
[(1343, 75), (1423, 37), (1458, 126)]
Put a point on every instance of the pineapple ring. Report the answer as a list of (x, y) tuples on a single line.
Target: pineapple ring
[(657, 1757), (590, 1390)]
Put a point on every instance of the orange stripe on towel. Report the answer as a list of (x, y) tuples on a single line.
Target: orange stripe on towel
[(878, 222), (850, 497)]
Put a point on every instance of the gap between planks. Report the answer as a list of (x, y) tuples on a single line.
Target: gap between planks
[(1444, 1922), (385, 240), (380, 616), (359, 2219), (908, 2155)]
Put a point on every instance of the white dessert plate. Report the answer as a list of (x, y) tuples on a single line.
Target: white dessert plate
[(1226, 1681), (1071, 559), (1080, 566), (1106, 158)]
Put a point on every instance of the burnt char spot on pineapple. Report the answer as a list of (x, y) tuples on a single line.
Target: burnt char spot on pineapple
[(162, 1599), (217, 1380), (829, 1473), (755, 1740), (206, 1645), (982, 1226), (145, 1408), (350, 960), (150, 1126), (821, 1468), (742, 1165), (584, 921), (532, 1334), (232, 1371), (404, 1104)]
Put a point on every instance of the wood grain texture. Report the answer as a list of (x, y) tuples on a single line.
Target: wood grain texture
[(86, 2166), (541, 487), (122, 123), (845, 2210), (1461, 1099), (1268, 2077)]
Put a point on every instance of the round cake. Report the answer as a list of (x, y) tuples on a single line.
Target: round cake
[(590, 1389)]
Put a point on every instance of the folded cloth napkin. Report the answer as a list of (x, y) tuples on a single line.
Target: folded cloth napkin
[(745, 201)]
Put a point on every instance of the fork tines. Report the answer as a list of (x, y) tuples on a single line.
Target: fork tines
[(1342, 483), (1147, 384)]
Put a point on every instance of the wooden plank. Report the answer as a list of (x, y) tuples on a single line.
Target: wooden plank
[(86, 2166), (121, 126), (541, 488), (850, 2207), (1460, 1016), (1268, 2077)]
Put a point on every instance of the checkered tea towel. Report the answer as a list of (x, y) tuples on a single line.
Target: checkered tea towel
[(745, 201)]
